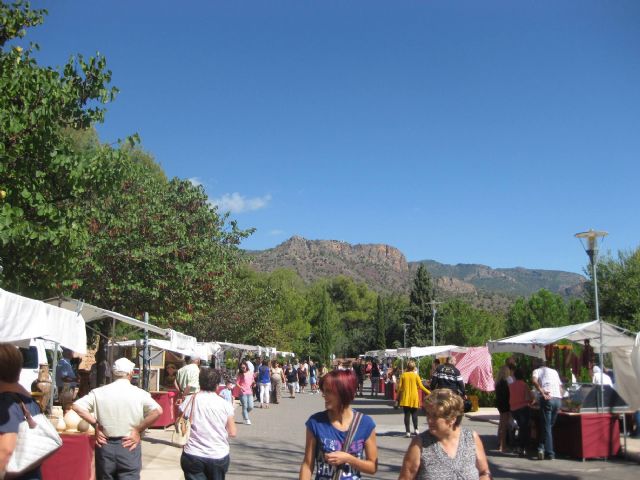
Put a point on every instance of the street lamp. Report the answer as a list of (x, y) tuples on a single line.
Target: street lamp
[(589, 242), (434, 310)]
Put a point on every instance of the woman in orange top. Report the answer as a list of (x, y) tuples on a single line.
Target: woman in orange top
[(408, 387)]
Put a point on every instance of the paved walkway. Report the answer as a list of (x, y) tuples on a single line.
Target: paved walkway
[(272, 447)]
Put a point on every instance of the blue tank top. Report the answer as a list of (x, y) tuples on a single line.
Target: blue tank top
[(264, 375)]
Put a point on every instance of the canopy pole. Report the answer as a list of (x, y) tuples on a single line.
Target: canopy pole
[(146, 360), (594, 260)]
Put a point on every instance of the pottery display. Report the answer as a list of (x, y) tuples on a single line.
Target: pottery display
[(56, 410), (83, 426), (61, 426), (72, 419)]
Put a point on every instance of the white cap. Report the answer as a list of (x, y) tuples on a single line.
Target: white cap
[(123, 365)]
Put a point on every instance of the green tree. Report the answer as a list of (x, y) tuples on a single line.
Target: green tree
[(619, 289), (44, 179), (542, 309), (418, 315), (325, 328), (468, 326), (380, 323)]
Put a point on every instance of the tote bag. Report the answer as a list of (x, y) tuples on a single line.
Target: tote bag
[(182, 430), (37, 439)]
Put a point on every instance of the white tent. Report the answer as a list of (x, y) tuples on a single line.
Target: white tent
[(203, 350), (419, 352), (22, 319), (386, 353), (179, 341), (533, 343)]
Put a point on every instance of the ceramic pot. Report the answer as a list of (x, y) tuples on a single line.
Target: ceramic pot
[(72, 419), (61, 426), (56, 411), (83, 426)]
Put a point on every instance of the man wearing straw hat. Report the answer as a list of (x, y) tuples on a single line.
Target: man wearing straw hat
[(119, 413)]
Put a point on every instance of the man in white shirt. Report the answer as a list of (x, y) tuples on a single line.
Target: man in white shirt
[(119, 413), (547, 381), (187, 382)]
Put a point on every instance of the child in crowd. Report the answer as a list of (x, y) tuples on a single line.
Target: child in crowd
[(227, 391)]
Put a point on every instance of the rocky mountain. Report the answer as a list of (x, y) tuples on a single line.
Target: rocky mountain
[(385, 269)]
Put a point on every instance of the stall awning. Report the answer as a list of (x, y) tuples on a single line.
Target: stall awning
[(419, 352), (533, 343), (238, 346), (386, 353), (92, 313), (22, 319)]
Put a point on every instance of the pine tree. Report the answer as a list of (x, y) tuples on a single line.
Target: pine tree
[(418, 314), (326, 328), (380, 322)]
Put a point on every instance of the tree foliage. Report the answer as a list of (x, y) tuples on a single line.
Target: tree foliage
[(325, 328), (619, 289), (468, 326), (419, 314), (544, 309), (45, 181)]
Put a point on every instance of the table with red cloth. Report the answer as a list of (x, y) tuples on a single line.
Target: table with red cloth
[(167, 400), (74, 460), (584, 435)]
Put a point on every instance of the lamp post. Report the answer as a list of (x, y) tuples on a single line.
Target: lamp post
[(434, 310), (589, 240)]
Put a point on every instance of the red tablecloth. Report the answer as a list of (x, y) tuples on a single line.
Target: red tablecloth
[(167, 400), (74, 461), (587, 435)]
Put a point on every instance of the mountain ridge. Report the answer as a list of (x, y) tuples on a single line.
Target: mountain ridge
[(384, 268)]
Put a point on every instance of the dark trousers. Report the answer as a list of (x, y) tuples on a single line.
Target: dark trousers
[(548, 414), (413, 413), (521, 416), (114, 462), (201, 468)]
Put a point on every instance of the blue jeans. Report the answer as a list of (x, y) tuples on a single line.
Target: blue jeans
[(548, 414), (201, 468), (247, 405)]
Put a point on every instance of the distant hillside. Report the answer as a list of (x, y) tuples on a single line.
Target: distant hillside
[(385, 269)]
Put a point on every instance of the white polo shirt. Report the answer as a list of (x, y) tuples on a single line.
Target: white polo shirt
[(118, 407)]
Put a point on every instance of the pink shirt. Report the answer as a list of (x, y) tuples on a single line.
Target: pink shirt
[(245, 380), (518, 395)]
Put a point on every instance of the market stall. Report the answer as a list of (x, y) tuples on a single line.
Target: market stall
[(587, 425), (74, 460)]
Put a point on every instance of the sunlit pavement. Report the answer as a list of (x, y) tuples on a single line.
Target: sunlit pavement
[(272, 447)]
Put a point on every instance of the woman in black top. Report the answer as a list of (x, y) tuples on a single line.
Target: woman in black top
[(502, 404)]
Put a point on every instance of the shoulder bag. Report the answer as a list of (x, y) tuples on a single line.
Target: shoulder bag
[(37, 440), (183, 423), (353, 428)]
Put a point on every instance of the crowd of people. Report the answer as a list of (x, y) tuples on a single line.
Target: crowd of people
[(340, 441)]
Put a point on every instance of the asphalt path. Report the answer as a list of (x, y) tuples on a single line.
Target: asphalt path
[(272, 447)]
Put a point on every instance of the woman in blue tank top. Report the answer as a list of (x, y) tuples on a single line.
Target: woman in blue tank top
[(264, 383)]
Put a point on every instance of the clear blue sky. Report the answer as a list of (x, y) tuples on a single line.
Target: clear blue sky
[(462, 131)]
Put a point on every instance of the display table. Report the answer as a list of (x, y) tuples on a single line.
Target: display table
[(167, 400), (74, 460), (585, 435), (390, 392)]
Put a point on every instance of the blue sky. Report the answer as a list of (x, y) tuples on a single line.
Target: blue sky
[(461, 131)]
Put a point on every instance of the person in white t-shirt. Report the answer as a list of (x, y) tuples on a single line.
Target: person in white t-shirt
[(547, 381), (600, 378), (206, 453)]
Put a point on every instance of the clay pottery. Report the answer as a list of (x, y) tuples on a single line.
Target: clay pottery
[(72, 419), (54, 420), (61, 426), (56, 411), (83, 426)]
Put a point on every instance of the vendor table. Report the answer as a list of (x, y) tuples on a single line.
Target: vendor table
[(73, 461), (586, 435), (167, 400)]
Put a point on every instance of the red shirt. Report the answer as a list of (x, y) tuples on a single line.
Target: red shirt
[(519, 395)]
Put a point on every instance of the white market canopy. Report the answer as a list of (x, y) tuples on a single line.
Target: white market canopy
[(386, 353), (419, 352), (203, 350), (22, 319), (533, 343), (178, 341)]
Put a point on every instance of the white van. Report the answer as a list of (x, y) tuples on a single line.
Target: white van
[(33, 356)]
